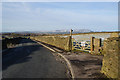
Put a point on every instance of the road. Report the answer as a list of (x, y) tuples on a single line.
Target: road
[(31, 60)]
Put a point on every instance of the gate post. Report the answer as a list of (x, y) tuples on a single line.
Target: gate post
[(92, 44), (97, 45), (70, 41)]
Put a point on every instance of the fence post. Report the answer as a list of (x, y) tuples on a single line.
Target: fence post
[(92, 44)]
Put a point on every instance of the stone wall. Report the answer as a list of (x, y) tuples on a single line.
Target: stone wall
[(79, 41), (9, 43), (111, 51), (60, 42)]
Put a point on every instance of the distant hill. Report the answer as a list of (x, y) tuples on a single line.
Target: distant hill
[(55, 31), (61, 31), (68, 31)]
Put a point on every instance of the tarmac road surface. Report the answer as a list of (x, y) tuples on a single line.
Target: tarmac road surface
[(31, 60)]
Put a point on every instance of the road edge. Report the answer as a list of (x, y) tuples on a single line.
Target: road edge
[(66, 60)]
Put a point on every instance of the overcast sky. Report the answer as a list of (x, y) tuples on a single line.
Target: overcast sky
[(46, 16)]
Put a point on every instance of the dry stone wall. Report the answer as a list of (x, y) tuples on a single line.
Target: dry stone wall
[(79, 42), (111, 51), (61, 42)]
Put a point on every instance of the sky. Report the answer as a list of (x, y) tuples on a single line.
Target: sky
[(48, 16)]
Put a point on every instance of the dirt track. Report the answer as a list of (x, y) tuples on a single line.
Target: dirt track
[(85, 65)]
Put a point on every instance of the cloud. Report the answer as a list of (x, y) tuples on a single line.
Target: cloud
[(22, 16)]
